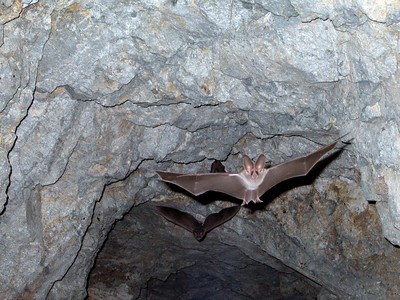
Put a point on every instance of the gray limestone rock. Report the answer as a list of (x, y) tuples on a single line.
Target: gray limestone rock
[(94, 97)]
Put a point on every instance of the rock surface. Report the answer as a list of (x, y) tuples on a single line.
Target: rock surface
[(96, 96), (212, 269)]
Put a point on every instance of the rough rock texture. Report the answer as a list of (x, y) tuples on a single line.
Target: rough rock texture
[(212, 269), (94, 96)]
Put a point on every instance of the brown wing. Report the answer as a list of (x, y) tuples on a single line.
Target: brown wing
[(180, 218), (217, 167), (217, 219), (197, 184), (293, 168)]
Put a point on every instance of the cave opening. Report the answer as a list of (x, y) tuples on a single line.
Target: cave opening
[(157, 260)]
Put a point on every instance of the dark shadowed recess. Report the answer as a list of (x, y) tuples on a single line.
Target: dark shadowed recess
[(145, 259)]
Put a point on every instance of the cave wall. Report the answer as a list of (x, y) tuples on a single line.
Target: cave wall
[(95, 97)]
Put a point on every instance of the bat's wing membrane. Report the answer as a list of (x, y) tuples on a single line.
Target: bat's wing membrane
[(293, 168), (217, 167), (179, 218), (197, 184), (219, 218)]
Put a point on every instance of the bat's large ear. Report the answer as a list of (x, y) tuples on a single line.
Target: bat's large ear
[(260, 163), (248, 165)]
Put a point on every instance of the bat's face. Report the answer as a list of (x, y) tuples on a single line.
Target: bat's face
[(253, 173), (199, 233)]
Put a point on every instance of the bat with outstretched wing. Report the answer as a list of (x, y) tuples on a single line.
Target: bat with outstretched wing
[(253, 181), (217, 167), (191, 224)]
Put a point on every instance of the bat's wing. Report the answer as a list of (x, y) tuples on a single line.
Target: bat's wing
[(197, 184), (180, 218), (217, 219), (217, 167), (293, 168)]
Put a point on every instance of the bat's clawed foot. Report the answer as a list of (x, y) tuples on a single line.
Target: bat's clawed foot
[(258, 200)]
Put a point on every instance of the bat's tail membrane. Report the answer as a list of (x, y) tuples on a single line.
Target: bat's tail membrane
[(251, 195)]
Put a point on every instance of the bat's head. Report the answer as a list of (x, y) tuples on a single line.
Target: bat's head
[(251, 169), (199, 234)]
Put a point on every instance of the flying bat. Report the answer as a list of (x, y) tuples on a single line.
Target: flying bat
[(252, 182), (217, 167), (191, 224)]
